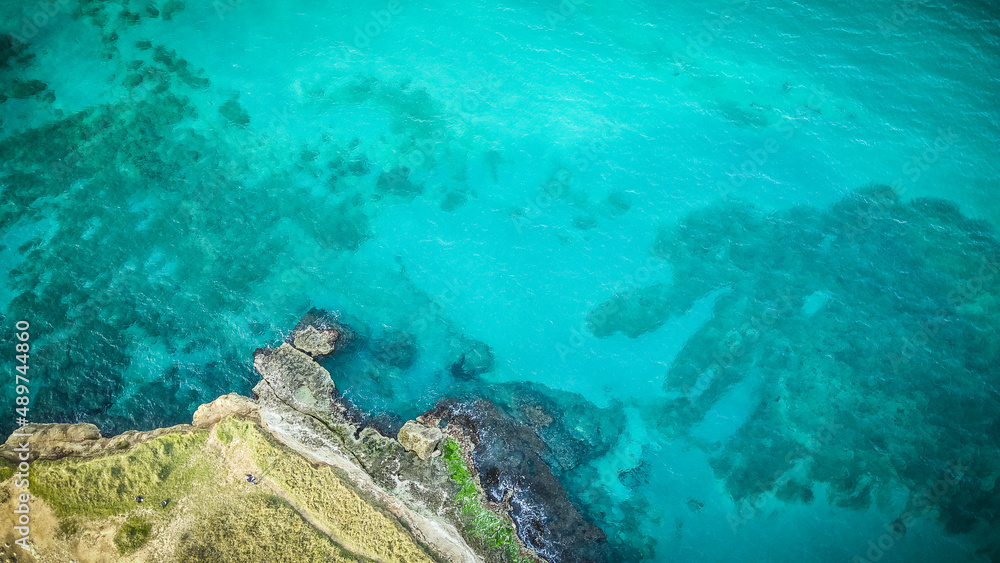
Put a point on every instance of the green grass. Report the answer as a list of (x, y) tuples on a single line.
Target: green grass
[(259, 527), (223, 434), (68, 527), (6, 470), (133, 533), (103, 486), (482, 522)]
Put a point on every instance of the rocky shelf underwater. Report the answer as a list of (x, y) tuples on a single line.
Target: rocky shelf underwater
[(294, 475)]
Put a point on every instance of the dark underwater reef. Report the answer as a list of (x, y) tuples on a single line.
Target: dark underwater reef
[(873, 327)]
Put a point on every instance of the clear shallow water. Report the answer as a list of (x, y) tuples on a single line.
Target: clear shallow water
[(552, 151)]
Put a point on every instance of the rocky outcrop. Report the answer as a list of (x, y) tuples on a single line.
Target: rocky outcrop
[(300, 405), (295, 380), (521, 484), (56, 441), (420, 497), (334, 333), (296, 401), (232, 404), (419, 439), (318, 343)]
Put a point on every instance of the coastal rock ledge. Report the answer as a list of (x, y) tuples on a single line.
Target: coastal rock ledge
[(286, 476)]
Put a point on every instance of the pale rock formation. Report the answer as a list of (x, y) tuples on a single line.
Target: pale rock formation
[(56, 441), (318, 343), (293, 378), (419, 439), (226, 405)]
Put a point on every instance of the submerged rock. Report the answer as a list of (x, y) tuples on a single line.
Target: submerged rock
[(397, 182), (476, 360), (397, 349), (170, 8), (235, 113), (25, 89)]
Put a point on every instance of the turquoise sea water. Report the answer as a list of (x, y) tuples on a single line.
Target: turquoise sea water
[(736, 264)]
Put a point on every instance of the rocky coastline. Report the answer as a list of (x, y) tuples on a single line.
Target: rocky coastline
[(458, 484)]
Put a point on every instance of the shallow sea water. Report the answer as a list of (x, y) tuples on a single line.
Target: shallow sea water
[(695, 237)]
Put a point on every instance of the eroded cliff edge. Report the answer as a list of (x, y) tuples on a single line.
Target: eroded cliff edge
[(286, 476)]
